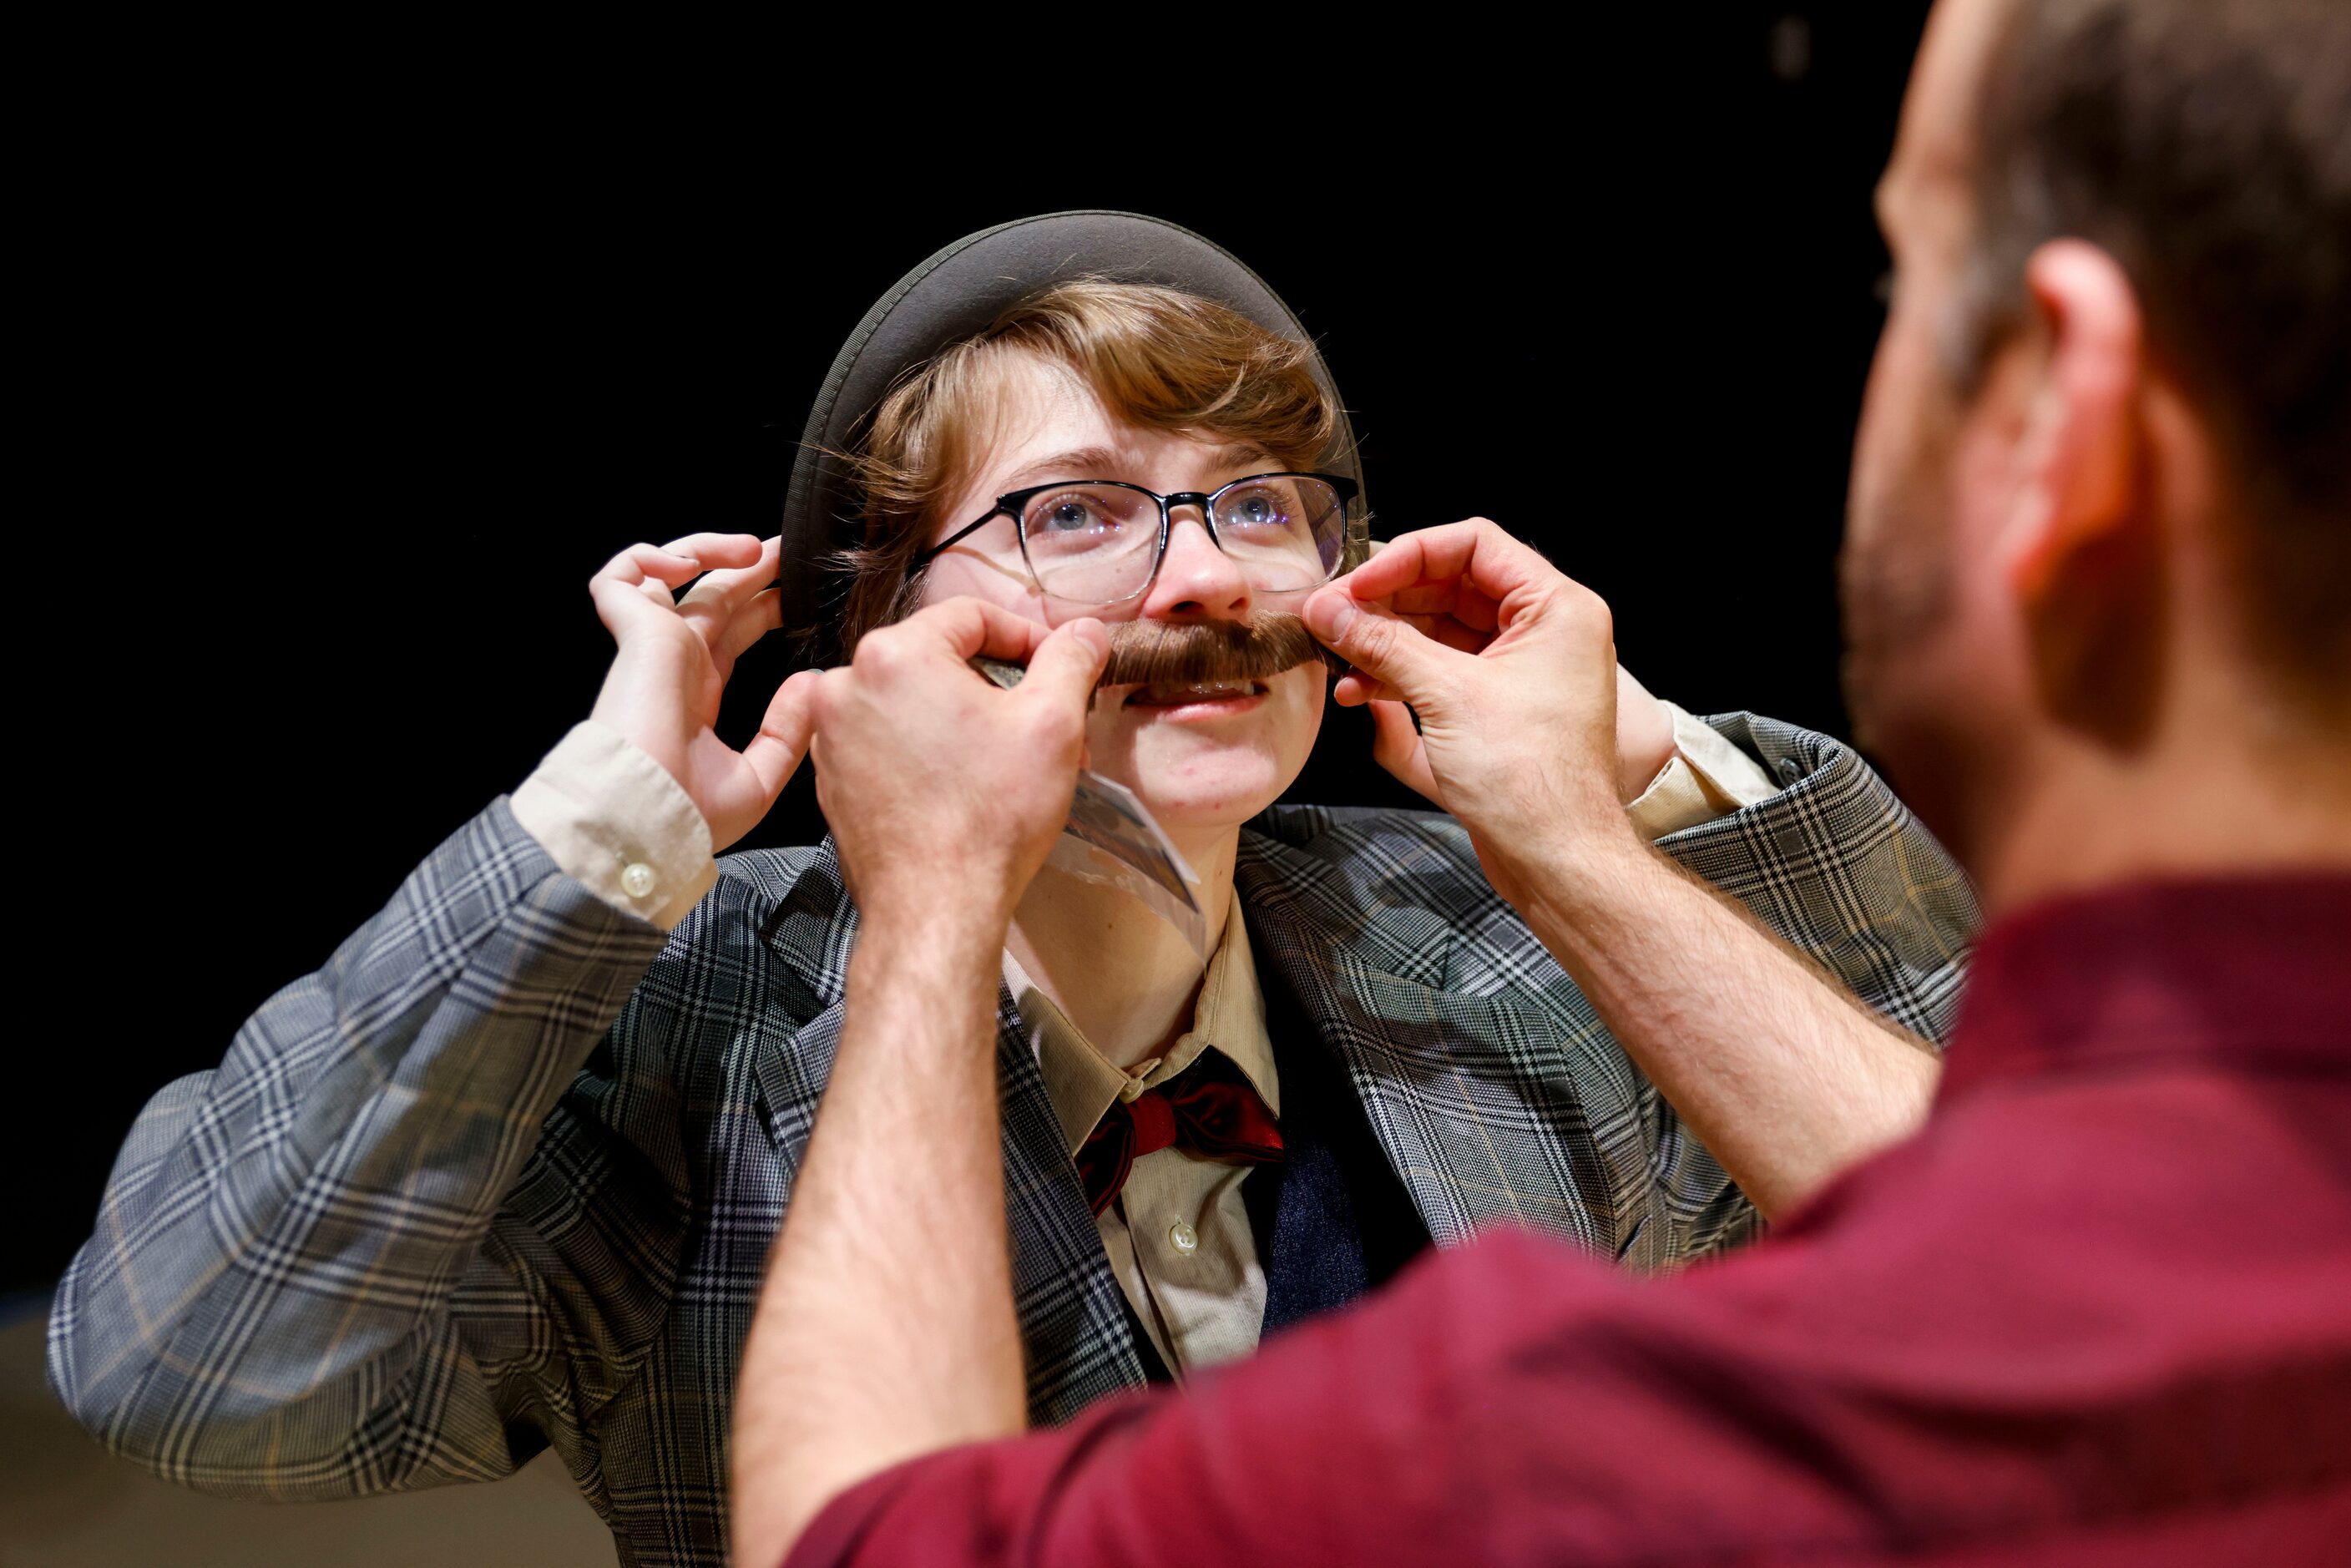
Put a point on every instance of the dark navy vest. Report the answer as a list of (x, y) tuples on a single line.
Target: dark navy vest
[(1331, 1220)]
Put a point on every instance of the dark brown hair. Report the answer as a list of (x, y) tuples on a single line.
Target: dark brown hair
[(1156, 358), (2206, 145)]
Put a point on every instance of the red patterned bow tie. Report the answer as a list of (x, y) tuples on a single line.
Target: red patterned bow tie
[(1208, 1109)]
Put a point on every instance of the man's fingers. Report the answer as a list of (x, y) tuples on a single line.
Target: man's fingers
[(1397, 747), (1478, 551), (783, 738), (1452, 633), (1460, 600), (1066, 665), (1383, 645), (971, 627)]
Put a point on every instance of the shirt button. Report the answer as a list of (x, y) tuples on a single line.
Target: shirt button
[(637, 878), (1183, 1238)]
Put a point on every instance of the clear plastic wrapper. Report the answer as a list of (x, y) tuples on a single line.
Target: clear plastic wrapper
[(1112, 841)]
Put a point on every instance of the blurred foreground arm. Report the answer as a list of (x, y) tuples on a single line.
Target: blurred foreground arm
[(886, 1328), (1782, 1074)]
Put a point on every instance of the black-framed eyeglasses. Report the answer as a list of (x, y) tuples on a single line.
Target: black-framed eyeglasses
[(1100, 541)]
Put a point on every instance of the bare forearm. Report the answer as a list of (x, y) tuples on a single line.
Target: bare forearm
[(886, 1328), (1781, 1073)]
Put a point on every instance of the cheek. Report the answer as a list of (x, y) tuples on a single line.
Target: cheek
[(956, 575), (1885, 453)]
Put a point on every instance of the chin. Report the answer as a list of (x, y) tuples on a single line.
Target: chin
[(1200, 770)]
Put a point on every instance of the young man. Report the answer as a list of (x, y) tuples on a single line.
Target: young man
[(2099, 1309), (504, 1173)]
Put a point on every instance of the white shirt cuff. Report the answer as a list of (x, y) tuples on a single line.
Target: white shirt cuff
[(615, 820), (1707, 778)]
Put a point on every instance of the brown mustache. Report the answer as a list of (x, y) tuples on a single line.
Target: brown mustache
[(1152, 652)]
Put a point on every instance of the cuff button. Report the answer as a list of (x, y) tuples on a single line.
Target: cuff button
[(637, 878)]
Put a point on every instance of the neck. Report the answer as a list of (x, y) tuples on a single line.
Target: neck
[(2219, 809), (1123, 975)]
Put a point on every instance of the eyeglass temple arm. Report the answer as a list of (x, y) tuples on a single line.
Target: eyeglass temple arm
[(924, 557)]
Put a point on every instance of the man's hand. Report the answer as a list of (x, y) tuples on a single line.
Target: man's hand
[(1785, 1078), (940, 788), (887, 1327), (1529, 731), (664, 687)]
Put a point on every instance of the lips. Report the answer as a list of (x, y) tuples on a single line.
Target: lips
[(1185, 694)]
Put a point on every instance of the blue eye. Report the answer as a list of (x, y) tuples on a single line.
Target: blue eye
[(1256, 509), (1077, 519)]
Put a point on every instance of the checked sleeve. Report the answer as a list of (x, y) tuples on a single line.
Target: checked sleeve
[(387, 1243), (1838, 868)]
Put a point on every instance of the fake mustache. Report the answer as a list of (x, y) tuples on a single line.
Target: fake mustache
[(1152, 652)]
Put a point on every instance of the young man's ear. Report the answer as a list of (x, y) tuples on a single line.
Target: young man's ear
[(2081, 449)]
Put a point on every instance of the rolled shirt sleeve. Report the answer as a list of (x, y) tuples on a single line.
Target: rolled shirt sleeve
[(1707, 778)]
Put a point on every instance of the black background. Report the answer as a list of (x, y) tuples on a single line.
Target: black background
[(359, 382)]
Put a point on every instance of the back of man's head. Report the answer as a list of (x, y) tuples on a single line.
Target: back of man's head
[(2206, 145), (2098, 561)]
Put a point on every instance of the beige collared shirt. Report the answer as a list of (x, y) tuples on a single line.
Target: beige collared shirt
[(1178, 1239), (1178, 1236)]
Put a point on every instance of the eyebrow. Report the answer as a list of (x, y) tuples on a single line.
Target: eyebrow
[(1081, 463), (1101, 462)]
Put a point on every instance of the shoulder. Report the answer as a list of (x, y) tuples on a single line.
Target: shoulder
[(765, 878), (1338, 830), (1827, 794), (1354, 871), (774, 925)]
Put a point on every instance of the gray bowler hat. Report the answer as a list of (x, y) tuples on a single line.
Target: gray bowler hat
[(958, 294)]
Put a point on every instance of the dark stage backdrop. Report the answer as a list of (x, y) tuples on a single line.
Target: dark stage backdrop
[(372, 382)]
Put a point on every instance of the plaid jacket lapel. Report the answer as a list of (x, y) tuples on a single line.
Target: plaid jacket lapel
[(1491, 1084), (1488, 1108), (1073, 1327)]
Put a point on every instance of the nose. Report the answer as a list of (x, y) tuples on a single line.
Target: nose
[(1196, 581)]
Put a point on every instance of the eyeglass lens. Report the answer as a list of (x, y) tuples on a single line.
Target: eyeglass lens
[(1097, 543)]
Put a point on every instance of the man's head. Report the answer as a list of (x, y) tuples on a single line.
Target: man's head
[(1216, 695), (2101, 507)]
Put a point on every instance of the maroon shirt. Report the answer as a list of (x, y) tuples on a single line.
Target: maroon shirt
[(2099, 1311)]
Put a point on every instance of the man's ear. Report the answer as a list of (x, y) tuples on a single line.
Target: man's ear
[(2080, 451), (2082, 551)]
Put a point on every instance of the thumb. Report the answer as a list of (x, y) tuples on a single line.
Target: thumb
[(1396, 745), (775, 753), (1067, 664), (1396, 660)]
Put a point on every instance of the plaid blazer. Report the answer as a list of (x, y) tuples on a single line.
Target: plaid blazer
[(504, 1173)]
